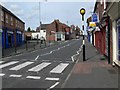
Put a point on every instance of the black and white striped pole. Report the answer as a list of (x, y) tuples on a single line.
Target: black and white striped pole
[(82, 12)]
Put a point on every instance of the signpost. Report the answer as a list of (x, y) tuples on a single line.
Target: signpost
[(0, 43)]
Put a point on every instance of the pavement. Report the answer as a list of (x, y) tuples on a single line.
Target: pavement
[(26, 47), (94, 73)]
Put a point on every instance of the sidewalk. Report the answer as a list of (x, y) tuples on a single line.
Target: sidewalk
[(30, 46), (95, 72)]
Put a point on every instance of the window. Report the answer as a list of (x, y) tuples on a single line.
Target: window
[(11, 21), (6, 18), (16, 22), (2, 16), (101, 2)]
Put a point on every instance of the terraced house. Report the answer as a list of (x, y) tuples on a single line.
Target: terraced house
[(12, 29)]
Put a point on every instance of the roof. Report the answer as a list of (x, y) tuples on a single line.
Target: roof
[(6, 10)]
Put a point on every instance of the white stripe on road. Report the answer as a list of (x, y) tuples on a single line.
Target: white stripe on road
[(7, 64), (14, 75), (18, 67), (2, 74), (39, 67), (36, 57), (1, 62), (33, 77), (52, 79), (54, 85), (59, 68)]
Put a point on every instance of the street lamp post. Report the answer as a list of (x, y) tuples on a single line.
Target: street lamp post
[(82, 12)]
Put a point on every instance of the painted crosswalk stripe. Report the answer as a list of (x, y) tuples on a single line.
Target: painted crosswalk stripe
[(39, 67), (8, 64), (52, 79), (1, 62), (60, 68), (33, 77), (20, 66), (13, 75), (2, 74)]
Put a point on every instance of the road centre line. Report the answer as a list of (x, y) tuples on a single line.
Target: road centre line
[(54, 85), (37, 57), (1, 62)]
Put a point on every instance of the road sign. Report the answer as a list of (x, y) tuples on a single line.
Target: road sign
[(94, 18)]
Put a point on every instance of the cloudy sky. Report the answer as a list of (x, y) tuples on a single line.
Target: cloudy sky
[(64, 11)]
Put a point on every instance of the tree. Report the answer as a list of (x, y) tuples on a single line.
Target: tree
[(29, 30)]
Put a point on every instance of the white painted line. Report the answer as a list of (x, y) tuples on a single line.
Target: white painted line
[(13, 75), (20, 66), (39, 67), (1, 62), (33, 77), (2, 74), (52, 79), (51, 52), (54, 85), (60, 68), (36, 57), (7, 64)]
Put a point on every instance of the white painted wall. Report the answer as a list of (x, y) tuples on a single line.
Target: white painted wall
[(40, 34)]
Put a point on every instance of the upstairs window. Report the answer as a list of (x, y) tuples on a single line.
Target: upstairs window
[(6, 16), (2, 16), (11, 20)]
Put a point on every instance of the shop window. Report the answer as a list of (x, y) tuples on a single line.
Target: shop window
[(118, 29)]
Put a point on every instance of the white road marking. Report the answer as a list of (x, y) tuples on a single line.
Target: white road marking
[(33, 77), (2, 74), (18, 67), (54, 85), (36, 57), (1, 62), (39, 67), (59, 68), (52, 79), (14, 75), (7, 64)]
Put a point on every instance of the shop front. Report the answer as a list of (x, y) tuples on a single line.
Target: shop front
[(118, 37), (19, 36), (7, 38)]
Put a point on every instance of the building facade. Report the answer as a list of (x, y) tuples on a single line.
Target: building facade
[(113, 11), (12, 29)]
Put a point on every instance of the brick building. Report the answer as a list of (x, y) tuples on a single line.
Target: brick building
[(12, 28), (55, 31), (101, 37), (113, 11)]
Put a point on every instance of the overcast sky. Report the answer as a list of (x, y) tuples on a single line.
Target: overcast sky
[(64, 11)]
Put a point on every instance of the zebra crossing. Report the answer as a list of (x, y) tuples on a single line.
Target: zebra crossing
[(56, 69)]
